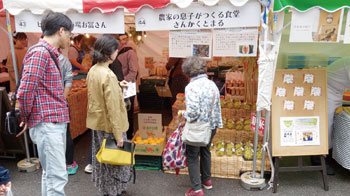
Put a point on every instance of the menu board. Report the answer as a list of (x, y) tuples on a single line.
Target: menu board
[(299, 112), (190, 43), (235, 42)]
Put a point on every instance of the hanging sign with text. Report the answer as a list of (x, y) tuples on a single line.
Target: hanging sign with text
[(197, 16), (83, 23)]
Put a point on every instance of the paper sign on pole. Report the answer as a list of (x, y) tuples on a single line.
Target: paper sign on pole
[(316, 25), (197, 16), (150, 125), (83, 23), (261, 127), (190, 43)]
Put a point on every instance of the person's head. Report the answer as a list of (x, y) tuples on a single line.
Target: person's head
[(105, 49), (123, 38), (20, 39), (194, 66), (87, 44), (77, 40), (57, 28)]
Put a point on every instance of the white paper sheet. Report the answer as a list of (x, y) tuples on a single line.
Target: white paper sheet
[(190, 43), (235, 42), (130, 91), (300, 131)]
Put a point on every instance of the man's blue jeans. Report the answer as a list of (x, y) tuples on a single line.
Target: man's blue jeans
[(50, 139)]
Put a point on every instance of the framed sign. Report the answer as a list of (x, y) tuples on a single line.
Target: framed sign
[(299, 118)]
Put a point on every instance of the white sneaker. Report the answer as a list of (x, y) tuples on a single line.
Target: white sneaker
[(88, 169)]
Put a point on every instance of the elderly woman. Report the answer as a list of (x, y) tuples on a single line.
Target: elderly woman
[(106, 116), (202, 104)]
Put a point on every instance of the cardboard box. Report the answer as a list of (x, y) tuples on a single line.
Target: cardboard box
[(150, 125), (149, 149)]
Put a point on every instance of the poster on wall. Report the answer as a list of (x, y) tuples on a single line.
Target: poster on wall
[(197, 16), (237, 42), (83, 23), (300, 131), (316, 25), (347, 30), (190, 43)]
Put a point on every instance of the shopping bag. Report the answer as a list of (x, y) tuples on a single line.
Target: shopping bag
[(12, 121), (110, 153), (174, 154)]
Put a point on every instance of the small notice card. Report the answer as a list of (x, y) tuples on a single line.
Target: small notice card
[(288, 105), (299, 91), (281, 92), (288, 78)]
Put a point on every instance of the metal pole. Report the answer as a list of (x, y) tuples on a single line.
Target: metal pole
[(266, 133), (26, 145), (258, 114), (11, 45)]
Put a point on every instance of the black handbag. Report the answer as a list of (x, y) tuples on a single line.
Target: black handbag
[(13, 117)]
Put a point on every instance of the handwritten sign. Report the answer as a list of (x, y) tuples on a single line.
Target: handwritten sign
[(150, 125)]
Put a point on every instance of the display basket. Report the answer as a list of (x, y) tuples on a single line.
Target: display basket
[(341, 139)]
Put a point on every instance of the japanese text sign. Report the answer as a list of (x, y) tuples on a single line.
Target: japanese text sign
[(150, 125), (83, 23), (197, 16), (261, 127)]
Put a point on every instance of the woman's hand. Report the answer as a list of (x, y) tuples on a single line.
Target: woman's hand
[(124, 84), (120, 142)]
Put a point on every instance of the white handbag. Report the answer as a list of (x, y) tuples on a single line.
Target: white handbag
[(197, 133)]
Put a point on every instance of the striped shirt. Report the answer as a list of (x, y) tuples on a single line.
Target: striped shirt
[(40, 93)]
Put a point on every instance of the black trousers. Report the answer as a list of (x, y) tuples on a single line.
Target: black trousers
[(69, 148), (130, 132), (203, 171)]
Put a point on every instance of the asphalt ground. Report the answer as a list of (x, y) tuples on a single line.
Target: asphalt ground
[(155, 183)]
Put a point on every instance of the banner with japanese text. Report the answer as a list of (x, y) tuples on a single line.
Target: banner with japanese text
[(197, 16), (83, 23)]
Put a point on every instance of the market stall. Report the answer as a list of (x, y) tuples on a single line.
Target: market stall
[(237, 70), (311, 42), (233, 67)]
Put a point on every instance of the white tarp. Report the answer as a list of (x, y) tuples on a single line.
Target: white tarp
[(197, 16), (267, 67), (83, 23)]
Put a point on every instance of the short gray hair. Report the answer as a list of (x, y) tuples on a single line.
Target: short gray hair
[(194, 66)]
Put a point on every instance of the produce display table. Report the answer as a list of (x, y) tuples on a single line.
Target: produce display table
[(77, 102), (224, 166)]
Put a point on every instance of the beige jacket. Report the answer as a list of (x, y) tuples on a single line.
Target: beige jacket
[(106, 109)]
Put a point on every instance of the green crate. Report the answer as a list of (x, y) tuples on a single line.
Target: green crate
[(148, 162)]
